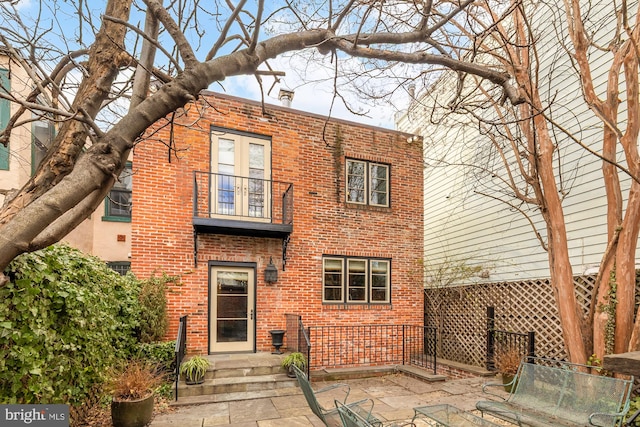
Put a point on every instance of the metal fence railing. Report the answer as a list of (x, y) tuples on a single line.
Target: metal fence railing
[(181, 347), (298, 338), (373, 345), (497, 340)]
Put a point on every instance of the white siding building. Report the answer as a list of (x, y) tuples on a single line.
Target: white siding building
[(463, 224)]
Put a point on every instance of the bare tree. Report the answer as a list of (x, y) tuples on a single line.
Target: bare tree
[(523, 163), (443, 276), (73, 179)]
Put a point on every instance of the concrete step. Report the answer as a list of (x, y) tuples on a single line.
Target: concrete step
[(239, 377), (237, 384), (239, 372), (230, 397)]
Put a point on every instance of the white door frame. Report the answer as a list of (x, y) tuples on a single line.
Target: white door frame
[(232, 345)]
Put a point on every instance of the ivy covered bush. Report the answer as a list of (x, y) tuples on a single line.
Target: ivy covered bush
[(65, 319), (153, 308)]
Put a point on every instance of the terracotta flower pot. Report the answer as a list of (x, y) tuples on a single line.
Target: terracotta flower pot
[(132, 413)]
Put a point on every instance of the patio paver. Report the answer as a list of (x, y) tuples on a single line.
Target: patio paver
[(394, 395)]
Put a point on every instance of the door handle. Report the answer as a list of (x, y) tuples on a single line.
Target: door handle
[(251, 314)]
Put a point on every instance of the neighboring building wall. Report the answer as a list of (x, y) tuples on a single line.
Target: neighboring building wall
[(98, 235), (310, 152), (19, 157), (461, 224), (103, 237)]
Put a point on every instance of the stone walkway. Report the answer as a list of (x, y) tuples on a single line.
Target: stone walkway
[(394, 395)]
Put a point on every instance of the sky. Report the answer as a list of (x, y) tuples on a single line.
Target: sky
[(313, 97), (313, 93)]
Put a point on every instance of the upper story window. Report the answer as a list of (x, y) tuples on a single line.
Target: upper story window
[(367, 183), (5, 114), (42, 134), (356, 280), (118, 203)]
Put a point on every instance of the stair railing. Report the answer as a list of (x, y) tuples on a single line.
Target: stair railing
[(181, 347)]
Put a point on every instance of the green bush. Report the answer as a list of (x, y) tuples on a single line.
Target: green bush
[(153, 308), (634, 406), (161, 354), (65, 318)]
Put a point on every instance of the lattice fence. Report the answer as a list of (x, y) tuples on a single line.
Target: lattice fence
[(459, 313)]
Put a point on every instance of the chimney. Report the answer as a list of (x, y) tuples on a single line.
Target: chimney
[(286, 97), (412, 91)]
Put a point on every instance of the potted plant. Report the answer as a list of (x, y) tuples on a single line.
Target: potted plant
[(194, 370), (296, 359), (507, 360), (132, 389)]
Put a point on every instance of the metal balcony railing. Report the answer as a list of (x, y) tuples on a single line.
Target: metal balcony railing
[(242, 198)]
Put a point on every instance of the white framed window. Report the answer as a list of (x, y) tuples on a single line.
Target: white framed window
[(367, 183), (356, 280)]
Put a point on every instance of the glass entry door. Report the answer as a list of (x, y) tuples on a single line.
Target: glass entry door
[(232, 324)]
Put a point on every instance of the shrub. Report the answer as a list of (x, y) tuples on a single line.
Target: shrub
[(65, 318), (134, 380), (161, 354), (153, 308), (507, 359), (634, 406)]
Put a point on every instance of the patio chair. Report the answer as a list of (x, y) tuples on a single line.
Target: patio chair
[(329, 416), (351, 418)]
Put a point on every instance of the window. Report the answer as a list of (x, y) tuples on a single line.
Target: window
[(42, 134), (118, 203), (367, 183), (5, 114), (120, 267), (356, 280)]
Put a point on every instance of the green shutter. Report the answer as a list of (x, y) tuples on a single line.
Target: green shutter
[(5, 113)]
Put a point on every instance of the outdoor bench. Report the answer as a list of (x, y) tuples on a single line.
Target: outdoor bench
[(547, 392)]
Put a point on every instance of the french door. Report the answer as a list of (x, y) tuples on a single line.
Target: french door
[(232, 302), (241, 167)]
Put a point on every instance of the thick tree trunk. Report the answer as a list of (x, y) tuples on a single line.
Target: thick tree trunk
[(571, 318)]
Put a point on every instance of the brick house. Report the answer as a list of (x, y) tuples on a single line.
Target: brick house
[(336, 207)]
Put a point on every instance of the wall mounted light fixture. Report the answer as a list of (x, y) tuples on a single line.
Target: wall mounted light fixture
[(271, 272)]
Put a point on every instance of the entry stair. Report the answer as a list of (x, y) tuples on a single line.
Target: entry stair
[(239, 377)]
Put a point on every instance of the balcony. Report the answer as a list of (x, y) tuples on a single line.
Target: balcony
[(244, 206)]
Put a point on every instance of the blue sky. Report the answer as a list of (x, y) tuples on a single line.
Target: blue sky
[(313, 93)]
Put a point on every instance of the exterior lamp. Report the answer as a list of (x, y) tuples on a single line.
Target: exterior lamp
[(271, 272)]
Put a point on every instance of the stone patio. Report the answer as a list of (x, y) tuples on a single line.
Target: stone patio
[(395, 396)]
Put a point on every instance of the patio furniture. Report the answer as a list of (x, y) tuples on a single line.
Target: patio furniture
[(553, 393), (351, 418), (330, 416), (450, 416)]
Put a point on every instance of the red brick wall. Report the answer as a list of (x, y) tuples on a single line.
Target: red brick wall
[(309, 152)]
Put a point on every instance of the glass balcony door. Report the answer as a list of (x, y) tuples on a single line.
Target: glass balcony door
[(241, 170)]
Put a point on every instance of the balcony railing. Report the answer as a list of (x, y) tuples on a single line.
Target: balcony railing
[(242, 205)]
